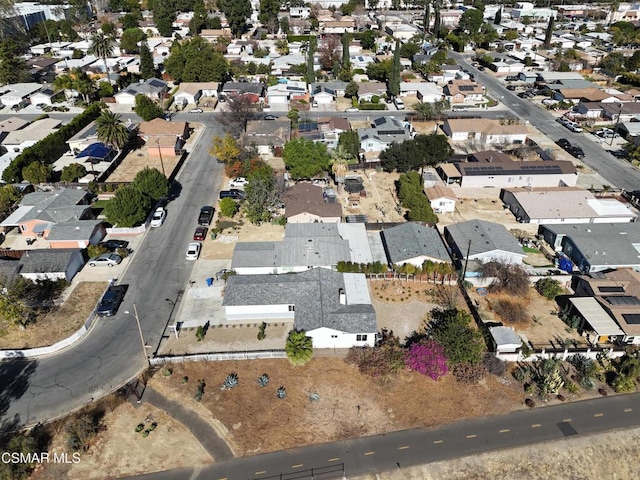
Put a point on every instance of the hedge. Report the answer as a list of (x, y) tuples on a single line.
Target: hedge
[(51, 147), (299, 38), (372, 106)]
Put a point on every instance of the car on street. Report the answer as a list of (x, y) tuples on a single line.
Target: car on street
[(108, 259), (270, 117), (352, 110), (481, 68), (564, 143), (574, 127), (158, 217), (576, 151), (196, 110), (238, 182), (114, 244), (193, 251), (110, 301), (200, 234), (232, 193), (206, 215), (511, 87), (621, 153)]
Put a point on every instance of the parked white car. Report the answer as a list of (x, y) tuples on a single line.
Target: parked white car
[(238, 182), (193, 251), (108, 259), (158, 217)]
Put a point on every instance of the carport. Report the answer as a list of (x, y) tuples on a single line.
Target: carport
[(596, 319)]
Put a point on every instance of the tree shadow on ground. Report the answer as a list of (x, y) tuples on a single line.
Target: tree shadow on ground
[(15, 377)]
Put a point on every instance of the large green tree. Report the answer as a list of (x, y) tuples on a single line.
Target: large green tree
[(350, 142), (269, 10), (452, 329), (299, 347), (196, 60), (147, 67), (146, 108), (152, 183), (102, 47), (130, 39), (110, 129), (311, 72), (128, 207), (368, 39), (13, 68), (380, 71), (37, 172), (73, 172), (9, 197), (237, 12), (305, 158), (412, 154), (471, 21)]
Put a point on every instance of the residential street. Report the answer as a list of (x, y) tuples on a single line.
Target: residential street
[(422, 445), (111, 354), (619, 172)]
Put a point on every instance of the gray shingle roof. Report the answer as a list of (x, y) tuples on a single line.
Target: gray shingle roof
[(55, 206), (485, 237), (77, 230), (47, 260), (256, 254), (314, 293), (411, 240)]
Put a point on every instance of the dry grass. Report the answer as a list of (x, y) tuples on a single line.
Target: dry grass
[(59, 323), (259, 422)]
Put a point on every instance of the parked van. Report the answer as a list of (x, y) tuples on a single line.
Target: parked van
[(399, 103)]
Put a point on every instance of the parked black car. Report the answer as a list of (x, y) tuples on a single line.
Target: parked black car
[(576, 151), (206, 215), (114, 244), (564, 143), (233, 193), (111, 300)]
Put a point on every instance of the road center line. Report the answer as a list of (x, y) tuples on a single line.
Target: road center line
[(404, 447), (471, 436), (536, 425), (505, 430), (334, 459), (260, 472), (567, 420), (369, 453), (437, 441), (598, 415), (297, 465), (627, 410)]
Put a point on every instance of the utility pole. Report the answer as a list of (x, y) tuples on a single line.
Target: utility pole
[(466, 261), (160, 153)]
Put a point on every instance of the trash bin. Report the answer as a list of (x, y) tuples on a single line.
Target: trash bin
[(209, 282), (213, 235)]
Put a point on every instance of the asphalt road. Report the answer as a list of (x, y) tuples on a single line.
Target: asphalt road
[(111, 354), (619, 173), (420, 446)]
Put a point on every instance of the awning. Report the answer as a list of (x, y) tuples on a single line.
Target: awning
[(596, 316), (14, 219)]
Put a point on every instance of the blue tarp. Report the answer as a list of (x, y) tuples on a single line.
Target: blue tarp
[(97, 151), (565, 264)]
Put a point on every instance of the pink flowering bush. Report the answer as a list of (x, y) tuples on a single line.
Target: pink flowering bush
[(427, 358)]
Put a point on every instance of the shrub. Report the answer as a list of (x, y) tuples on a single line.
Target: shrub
[(80, 431), (139, 427), (95, 250), (529, 403), (230, 382), (549, 288), (261, 331), (263, 380), (510, 310), (494, 365), (184, 380), (379, 361), (199, 391), (167, 372), (622, 384), (571, 387), (469, 373), (299, 347), (452, 329), (200, 333), (228, 207), (510, 278), (123, 252), (281, 392), (427, 358)]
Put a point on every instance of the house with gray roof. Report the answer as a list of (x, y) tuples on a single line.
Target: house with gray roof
[(413, 243), (51, 264), (482, 242), (153, 88), (333, 308), (595, 247), (304, 246), (62, 217), (383, 132)]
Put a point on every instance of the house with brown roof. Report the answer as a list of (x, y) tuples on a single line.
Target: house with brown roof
[(164, 138), (484, 131), (212, 35), (267, 135), (366, 90), (191, 92), (442, 198), (590, 95), (306, 203), (464, 91)]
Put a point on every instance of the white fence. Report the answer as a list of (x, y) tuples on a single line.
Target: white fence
[(56, 347), (219, 356), (544, 354), (127, 231)]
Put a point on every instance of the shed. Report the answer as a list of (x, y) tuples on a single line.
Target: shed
[(505, 339)]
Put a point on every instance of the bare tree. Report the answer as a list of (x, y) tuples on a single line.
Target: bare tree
[(329, 51), (240, 109)]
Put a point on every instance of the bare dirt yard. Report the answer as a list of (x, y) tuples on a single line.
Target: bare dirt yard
[(238, 229), (257, 421), (576, 458), (118, 450), (57, 324)]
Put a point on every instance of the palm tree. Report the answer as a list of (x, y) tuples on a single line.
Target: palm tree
[(340, 160), (282, 47), (102, 46), (64, 82), (111, 130)]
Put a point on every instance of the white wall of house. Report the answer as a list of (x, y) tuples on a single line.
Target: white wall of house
[(324, 337), (418, 261), (510, 181), (323, 98), (499, 256), (307, 217), (125, 99), (251, 312), (44, 276), (443, 205), (184, 98), (254, 271)]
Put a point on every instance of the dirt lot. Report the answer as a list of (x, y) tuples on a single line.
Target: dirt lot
[(119, 451), (257, 421), (380, 201), (570, 458), (542, 325), (488, 208), (243, 230), (57, 324)]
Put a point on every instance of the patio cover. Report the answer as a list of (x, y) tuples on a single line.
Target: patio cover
[(596, 316)]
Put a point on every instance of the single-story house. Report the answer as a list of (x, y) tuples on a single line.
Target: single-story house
[(482, 241), (162, 137), (307, 203), (191, 92), (11, 124), (267, 135), (51, 264), (368, 90), (564, 205), (46, 95), (413, 243), (254, 91), (18, 140), (383, 132), (334, 87), (594, 247), (282, 92), (442, 198), (153, 88), (333, 308), (17, 93), (464, 92), (484, 131), (426, 92)]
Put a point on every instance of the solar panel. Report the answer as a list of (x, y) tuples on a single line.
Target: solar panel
[(356, 219), (631, 318), (605, 289), (623, 300), (466, 88), (380, 121)]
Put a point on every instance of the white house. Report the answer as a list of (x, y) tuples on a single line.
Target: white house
[(334, 309), (152, 88), (412, 243), (17, 93), (51, 264), (442, 199), (484, 131), (191, 92), (426, 92), (44, 96)]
